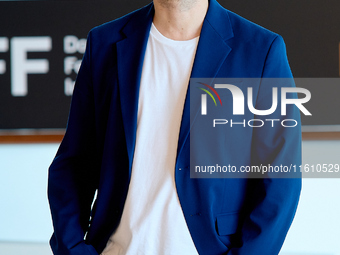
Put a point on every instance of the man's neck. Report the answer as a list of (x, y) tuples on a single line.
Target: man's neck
[(180, 19)]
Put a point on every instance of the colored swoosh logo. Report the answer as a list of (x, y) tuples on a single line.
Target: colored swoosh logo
[(213, 90)]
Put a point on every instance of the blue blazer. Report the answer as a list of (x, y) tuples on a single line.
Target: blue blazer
[(224, 216)]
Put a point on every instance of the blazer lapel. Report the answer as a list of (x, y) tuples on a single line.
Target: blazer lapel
[(212, 51), (130, 55)]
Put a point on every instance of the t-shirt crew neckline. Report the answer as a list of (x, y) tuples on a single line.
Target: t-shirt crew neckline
[(163, 39)]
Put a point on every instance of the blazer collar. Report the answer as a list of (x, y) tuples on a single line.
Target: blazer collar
[(212, 50), (130, 57)]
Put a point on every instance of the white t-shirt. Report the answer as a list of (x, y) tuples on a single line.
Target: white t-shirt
[(153, 222)]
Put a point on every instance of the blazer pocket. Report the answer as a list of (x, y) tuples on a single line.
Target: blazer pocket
[(227, 223)]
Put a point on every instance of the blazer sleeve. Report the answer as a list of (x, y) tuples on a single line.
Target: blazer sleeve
[(73, 172), (274, 199)]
